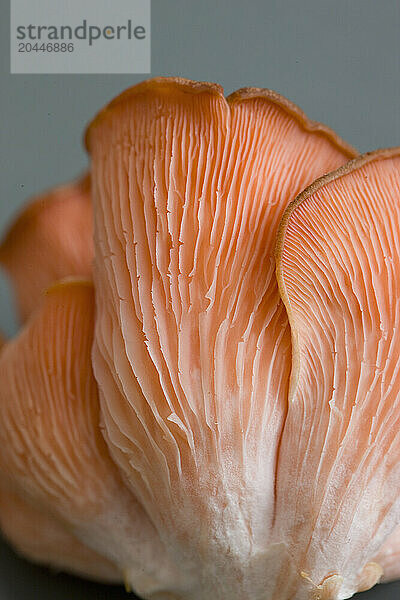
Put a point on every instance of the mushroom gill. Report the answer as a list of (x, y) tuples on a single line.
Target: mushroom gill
[(51, 238), (39, 536), (338, 475), (54, 457), (192, 346)]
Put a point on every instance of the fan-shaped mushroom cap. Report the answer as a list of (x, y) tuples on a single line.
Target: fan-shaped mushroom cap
[(42, 538), (192, 345), (53, 452), (52, 238), (338, 477)]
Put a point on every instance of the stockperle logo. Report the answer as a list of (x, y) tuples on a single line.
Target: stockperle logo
[(90, 36)]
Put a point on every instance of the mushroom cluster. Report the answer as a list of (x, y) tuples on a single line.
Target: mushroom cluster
[(203, 400)]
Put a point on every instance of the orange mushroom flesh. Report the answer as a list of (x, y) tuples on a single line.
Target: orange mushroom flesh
[(39, 536), (192, 346), (52, 238), (338, 476), (54, 457)]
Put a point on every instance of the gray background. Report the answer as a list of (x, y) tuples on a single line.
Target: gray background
[(339, 60)]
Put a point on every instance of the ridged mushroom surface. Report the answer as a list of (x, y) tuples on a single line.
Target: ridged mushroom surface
[(192, 346), (53, 453), (218, 417), (338, 475)]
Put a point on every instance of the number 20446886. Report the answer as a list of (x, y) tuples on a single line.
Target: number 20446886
[(49, 47)]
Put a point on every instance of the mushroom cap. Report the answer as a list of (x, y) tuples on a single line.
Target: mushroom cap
[(192, 345), (168, 87), (51, 238), (49, 407), (54, 456), (338, 261)]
